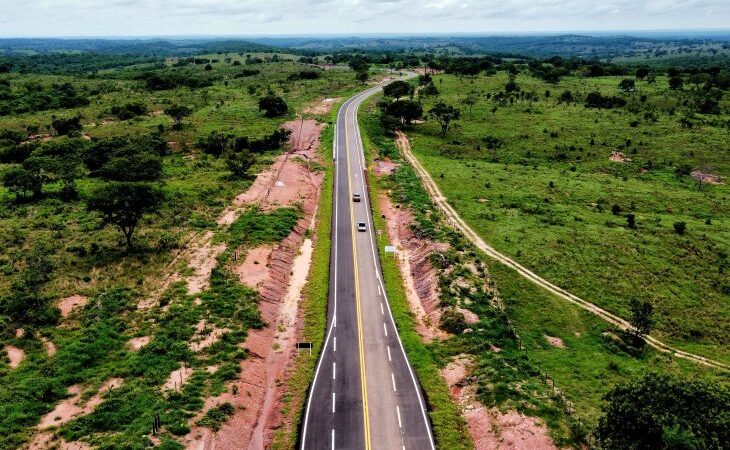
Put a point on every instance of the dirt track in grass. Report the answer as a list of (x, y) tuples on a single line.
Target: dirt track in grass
[(458, 223)]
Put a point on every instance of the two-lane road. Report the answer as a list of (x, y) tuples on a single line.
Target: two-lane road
[(364, 393)]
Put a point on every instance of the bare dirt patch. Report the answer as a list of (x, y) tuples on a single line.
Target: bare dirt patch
[(707, 178), (138, 342), (178, 378), (203, 260), (255, 267), (69, 304), (321, 107), (554, 341), (490, 428), (206, 336), (48, 345), (619, 157), (73, 407), (200, 254), (15, 355), (384, 167), (288, 180), (46, 440)]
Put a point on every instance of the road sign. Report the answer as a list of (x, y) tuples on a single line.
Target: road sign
[(390, 249), (305, 346)]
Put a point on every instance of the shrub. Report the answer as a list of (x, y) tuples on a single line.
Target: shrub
[(273, 105), (453, 321), (679, 227), (216, 416)]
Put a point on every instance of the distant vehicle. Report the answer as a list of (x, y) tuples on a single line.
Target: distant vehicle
[(361, 226), (355, 197)]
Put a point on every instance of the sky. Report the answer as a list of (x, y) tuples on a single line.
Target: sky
[(77, 18)]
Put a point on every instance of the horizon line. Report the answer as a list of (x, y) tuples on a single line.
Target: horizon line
[(599, 32)]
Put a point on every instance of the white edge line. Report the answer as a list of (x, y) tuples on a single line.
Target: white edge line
[(334, 307)]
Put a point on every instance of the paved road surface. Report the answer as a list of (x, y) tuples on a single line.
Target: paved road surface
[(365, 394)]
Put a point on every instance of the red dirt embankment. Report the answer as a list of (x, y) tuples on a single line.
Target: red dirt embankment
[(278, 278), (490, 428), (419, 276)]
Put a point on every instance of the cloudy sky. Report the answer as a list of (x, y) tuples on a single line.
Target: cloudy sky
[(272, 17)]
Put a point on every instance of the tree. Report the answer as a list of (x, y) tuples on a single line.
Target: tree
[(566, 97), (239, 162), (511, 85), (362, 76), (405, 110), (444, 115), (178, 113), (642, 317), (67, 170), (627, 85), (132, 165), (679, 227), (429, 90), (361, 67), (676, 82), (470, 100), (21, 182), (642, 72), (67, 127), (123, 204), (631, 220), (25, 304), (273, 105), (665, 412), (398, 89)]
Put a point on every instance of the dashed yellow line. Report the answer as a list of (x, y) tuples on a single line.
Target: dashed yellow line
[(363, 376)]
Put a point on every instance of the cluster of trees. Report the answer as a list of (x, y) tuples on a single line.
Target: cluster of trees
[(597, 100), (247, 73), (398, 109), (305, 75), (361, 65), (161, 81), (131, 169), (70, 63), (33, 97), (240, 151), (129, 110), (665, 412)]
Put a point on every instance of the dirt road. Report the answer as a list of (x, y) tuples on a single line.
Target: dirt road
[(458, 223)]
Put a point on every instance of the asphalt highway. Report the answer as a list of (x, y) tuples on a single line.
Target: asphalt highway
[(365, 394)]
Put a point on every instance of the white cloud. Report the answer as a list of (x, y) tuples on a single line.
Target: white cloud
[(242, 17)]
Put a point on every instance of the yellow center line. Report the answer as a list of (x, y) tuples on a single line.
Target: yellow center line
[(363, 376)]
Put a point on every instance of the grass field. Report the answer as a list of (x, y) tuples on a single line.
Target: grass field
[(544, 194)]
